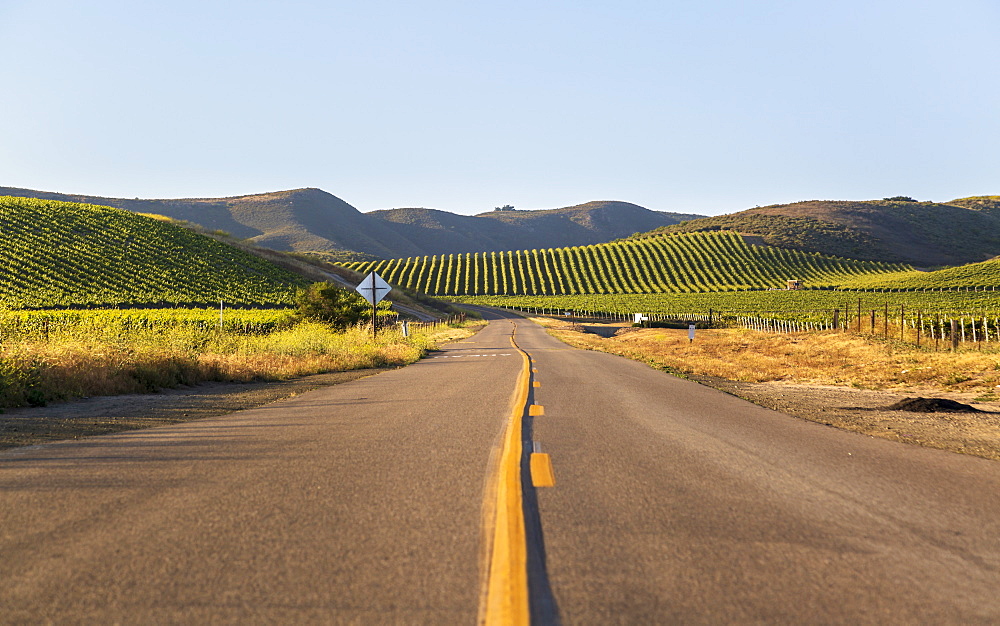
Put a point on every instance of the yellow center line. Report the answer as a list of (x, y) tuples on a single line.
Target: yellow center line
[(507, 583)]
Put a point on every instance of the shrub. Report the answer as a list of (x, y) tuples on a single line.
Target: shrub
[(325, 302)]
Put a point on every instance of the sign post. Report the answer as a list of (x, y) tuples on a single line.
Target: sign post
[(373, 289), (690, 332)]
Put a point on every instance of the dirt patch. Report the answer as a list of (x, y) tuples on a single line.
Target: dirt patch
[(931, 405), (975, 432), (110, 414), (602, 330)]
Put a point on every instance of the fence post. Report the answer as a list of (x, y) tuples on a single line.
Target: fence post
[(940, 334), (954, 336), (836, 319)]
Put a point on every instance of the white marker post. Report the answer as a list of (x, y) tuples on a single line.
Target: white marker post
[(690, 332), (373, 289)]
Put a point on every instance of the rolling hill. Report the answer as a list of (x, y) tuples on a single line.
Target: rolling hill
[(65, 254), (924, 234), (694, 262), (312, 220), (983, 276)]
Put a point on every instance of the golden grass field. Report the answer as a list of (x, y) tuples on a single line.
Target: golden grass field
[(842, 380), (824, 358), (38, 372)]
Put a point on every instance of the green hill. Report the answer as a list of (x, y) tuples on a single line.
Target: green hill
[(925, 234), (63, 254), (986, 204), (697, 262), (975, 276)]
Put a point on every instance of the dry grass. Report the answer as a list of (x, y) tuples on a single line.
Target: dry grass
[(37, 372), (842, 380), (825, 358)]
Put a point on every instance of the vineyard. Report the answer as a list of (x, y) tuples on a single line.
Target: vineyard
[(64, 254), (803, 306), (929, 318), (977, 276), (118, 325), (686, 263)]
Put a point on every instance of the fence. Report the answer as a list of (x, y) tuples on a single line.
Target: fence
[(458, 318), (938, 330)]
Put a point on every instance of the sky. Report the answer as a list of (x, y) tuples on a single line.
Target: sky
[(708, 107)]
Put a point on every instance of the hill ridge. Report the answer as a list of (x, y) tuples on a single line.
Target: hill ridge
[(924, 234), (309, 219)]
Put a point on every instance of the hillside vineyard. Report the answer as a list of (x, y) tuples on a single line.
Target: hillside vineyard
[(64, 254), (696, 262)]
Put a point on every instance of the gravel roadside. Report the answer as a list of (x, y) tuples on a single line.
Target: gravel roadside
[(110, 414), (864, 411)]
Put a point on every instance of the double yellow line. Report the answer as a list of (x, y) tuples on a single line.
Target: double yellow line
[(506, 600)]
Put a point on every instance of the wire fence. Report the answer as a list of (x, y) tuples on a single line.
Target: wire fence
[(952, 330)]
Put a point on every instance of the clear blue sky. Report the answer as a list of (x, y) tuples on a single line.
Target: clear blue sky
[(708, 106)]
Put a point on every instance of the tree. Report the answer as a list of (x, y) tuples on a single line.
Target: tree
[(328, 303), (506, 207)]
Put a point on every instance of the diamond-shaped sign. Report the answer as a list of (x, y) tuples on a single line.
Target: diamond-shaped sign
[(373, 288)]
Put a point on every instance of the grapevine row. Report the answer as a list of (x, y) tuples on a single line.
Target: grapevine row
[(61, 254), (685, 263)]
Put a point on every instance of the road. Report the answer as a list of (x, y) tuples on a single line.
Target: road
[(361, 502), (374, 502), (677, 503)]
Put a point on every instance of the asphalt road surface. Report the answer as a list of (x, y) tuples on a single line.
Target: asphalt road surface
[(369, 502), (357, 503)]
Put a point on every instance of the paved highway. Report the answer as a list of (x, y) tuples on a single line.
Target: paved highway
[(358, 503), (677, 503), (374, 502)]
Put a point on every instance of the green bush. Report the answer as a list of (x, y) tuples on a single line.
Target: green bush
[(325, 302)]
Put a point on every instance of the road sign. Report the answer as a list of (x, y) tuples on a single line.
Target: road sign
[(373, 288)]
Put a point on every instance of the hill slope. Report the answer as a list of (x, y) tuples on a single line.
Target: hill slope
[(312, 220), (300, 219), (61, 254), (921, 233), (440, 232), (698, 262), (983, 276)]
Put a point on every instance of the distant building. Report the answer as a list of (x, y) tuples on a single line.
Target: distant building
[(794, 285)]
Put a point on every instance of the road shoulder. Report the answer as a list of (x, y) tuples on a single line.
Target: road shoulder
[(848, 408), (110, 414)]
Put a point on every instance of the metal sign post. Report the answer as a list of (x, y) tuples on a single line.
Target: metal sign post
[(373, 289)]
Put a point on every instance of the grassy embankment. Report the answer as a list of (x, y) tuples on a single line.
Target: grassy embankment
[(821, 358), (112, 356)]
